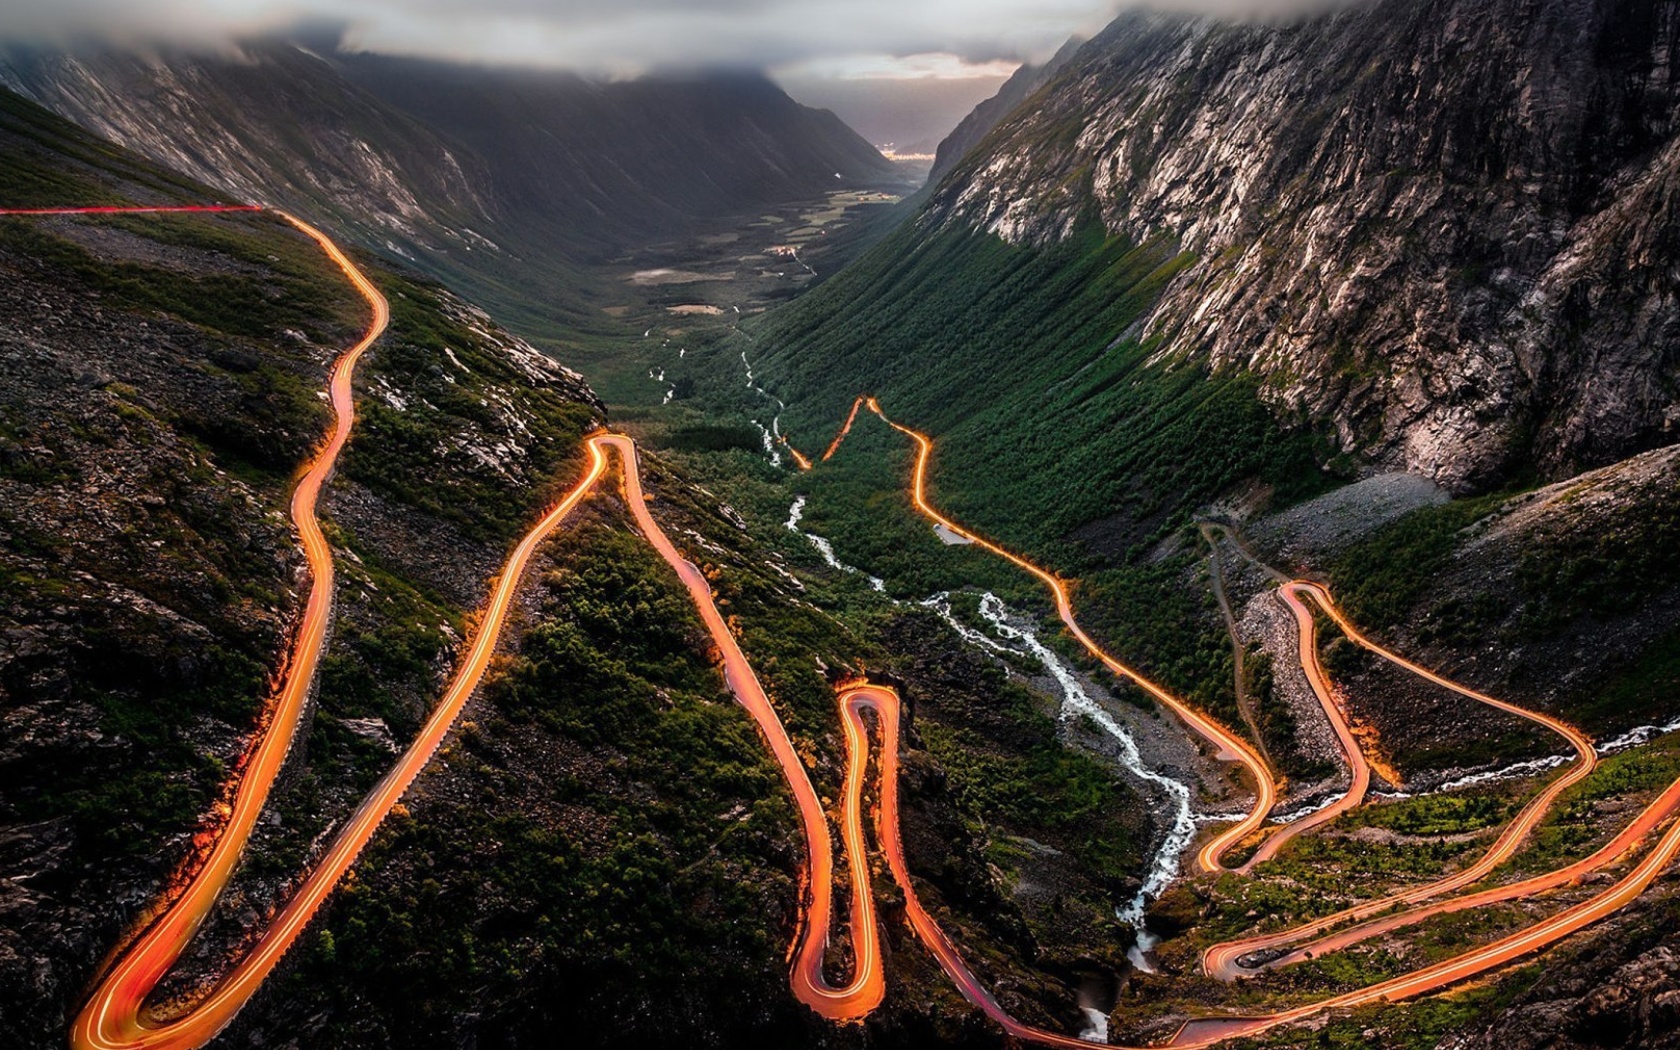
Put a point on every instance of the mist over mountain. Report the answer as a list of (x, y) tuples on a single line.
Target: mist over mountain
[(988, 114), (497, 179)]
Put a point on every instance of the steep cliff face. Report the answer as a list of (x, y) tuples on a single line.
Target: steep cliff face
[(988, 114), (1445, 227)]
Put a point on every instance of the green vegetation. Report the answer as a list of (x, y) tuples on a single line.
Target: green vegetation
[(1601, 568), (1589, 814), (148, 560), (1380, 580), (49, 162), (1644, 688), (1038, 787), (1454, 814), (1161, 618), (442, 439), (860, 502), (1276, 721), (259, 305), (628, 834), (1023, 364), (175, 588)]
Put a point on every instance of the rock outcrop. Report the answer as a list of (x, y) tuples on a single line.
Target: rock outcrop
[(1446, 228)]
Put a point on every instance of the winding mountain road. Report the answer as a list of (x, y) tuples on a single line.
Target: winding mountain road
[(116, 1016), (1228, 745), (1358, 767), (1225, 960)]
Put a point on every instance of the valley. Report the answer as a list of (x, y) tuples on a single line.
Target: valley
[(629, 565), (114, 1017)]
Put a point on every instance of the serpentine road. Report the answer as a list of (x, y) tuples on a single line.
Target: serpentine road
[(112, 1018), (116, 1015), (1224, 960), (1229, 746)]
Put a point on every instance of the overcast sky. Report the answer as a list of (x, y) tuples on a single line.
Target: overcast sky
[(898, 70)]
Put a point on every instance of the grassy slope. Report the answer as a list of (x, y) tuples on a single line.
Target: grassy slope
[(1024, 364), (1062, 431), (1571, 579)]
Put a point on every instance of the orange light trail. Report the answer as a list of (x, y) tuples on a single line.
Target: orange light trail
[(845, 428), (1359, 769), (855, 698), (1230, 746), (1223, 960), (1648, 820), (799, 457), (864, 992), (115, 1017), (112, 1018), (858, 697)]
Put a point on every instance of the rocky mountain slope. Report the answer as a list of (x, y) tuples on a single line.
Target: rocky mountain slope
[(611, 164), (1214, 255), (974, 128), (164, 378), (603, 847), (1446, 228), (505, 183)]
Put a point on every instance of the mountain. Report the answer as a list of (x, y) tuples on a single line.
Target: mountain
[(602, 845), (1458, 272), (1461, 267), (1380, 298), (508, 184), (612, 164), (1021, 85)]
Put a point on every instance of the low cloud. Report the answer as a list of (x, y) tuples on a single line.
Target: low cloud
[(614, 36)]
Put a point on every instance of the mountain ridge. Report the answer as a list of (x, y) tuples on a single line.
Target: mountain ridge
[(1461, 273), (514, 198)]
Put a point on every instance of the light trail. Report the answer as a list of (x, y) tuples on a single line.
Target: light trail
[(857, 697), (112, 1018), (1211, 1031), (1224, 960), (1648, 820), (798, 456), (115, 1017), (864, 992), (1230, 746), (845, 428), (1359, 769)]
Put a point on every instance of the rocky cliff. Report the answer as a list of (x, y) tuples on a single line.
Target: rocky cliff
[(987, 115), (1446, 228)]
